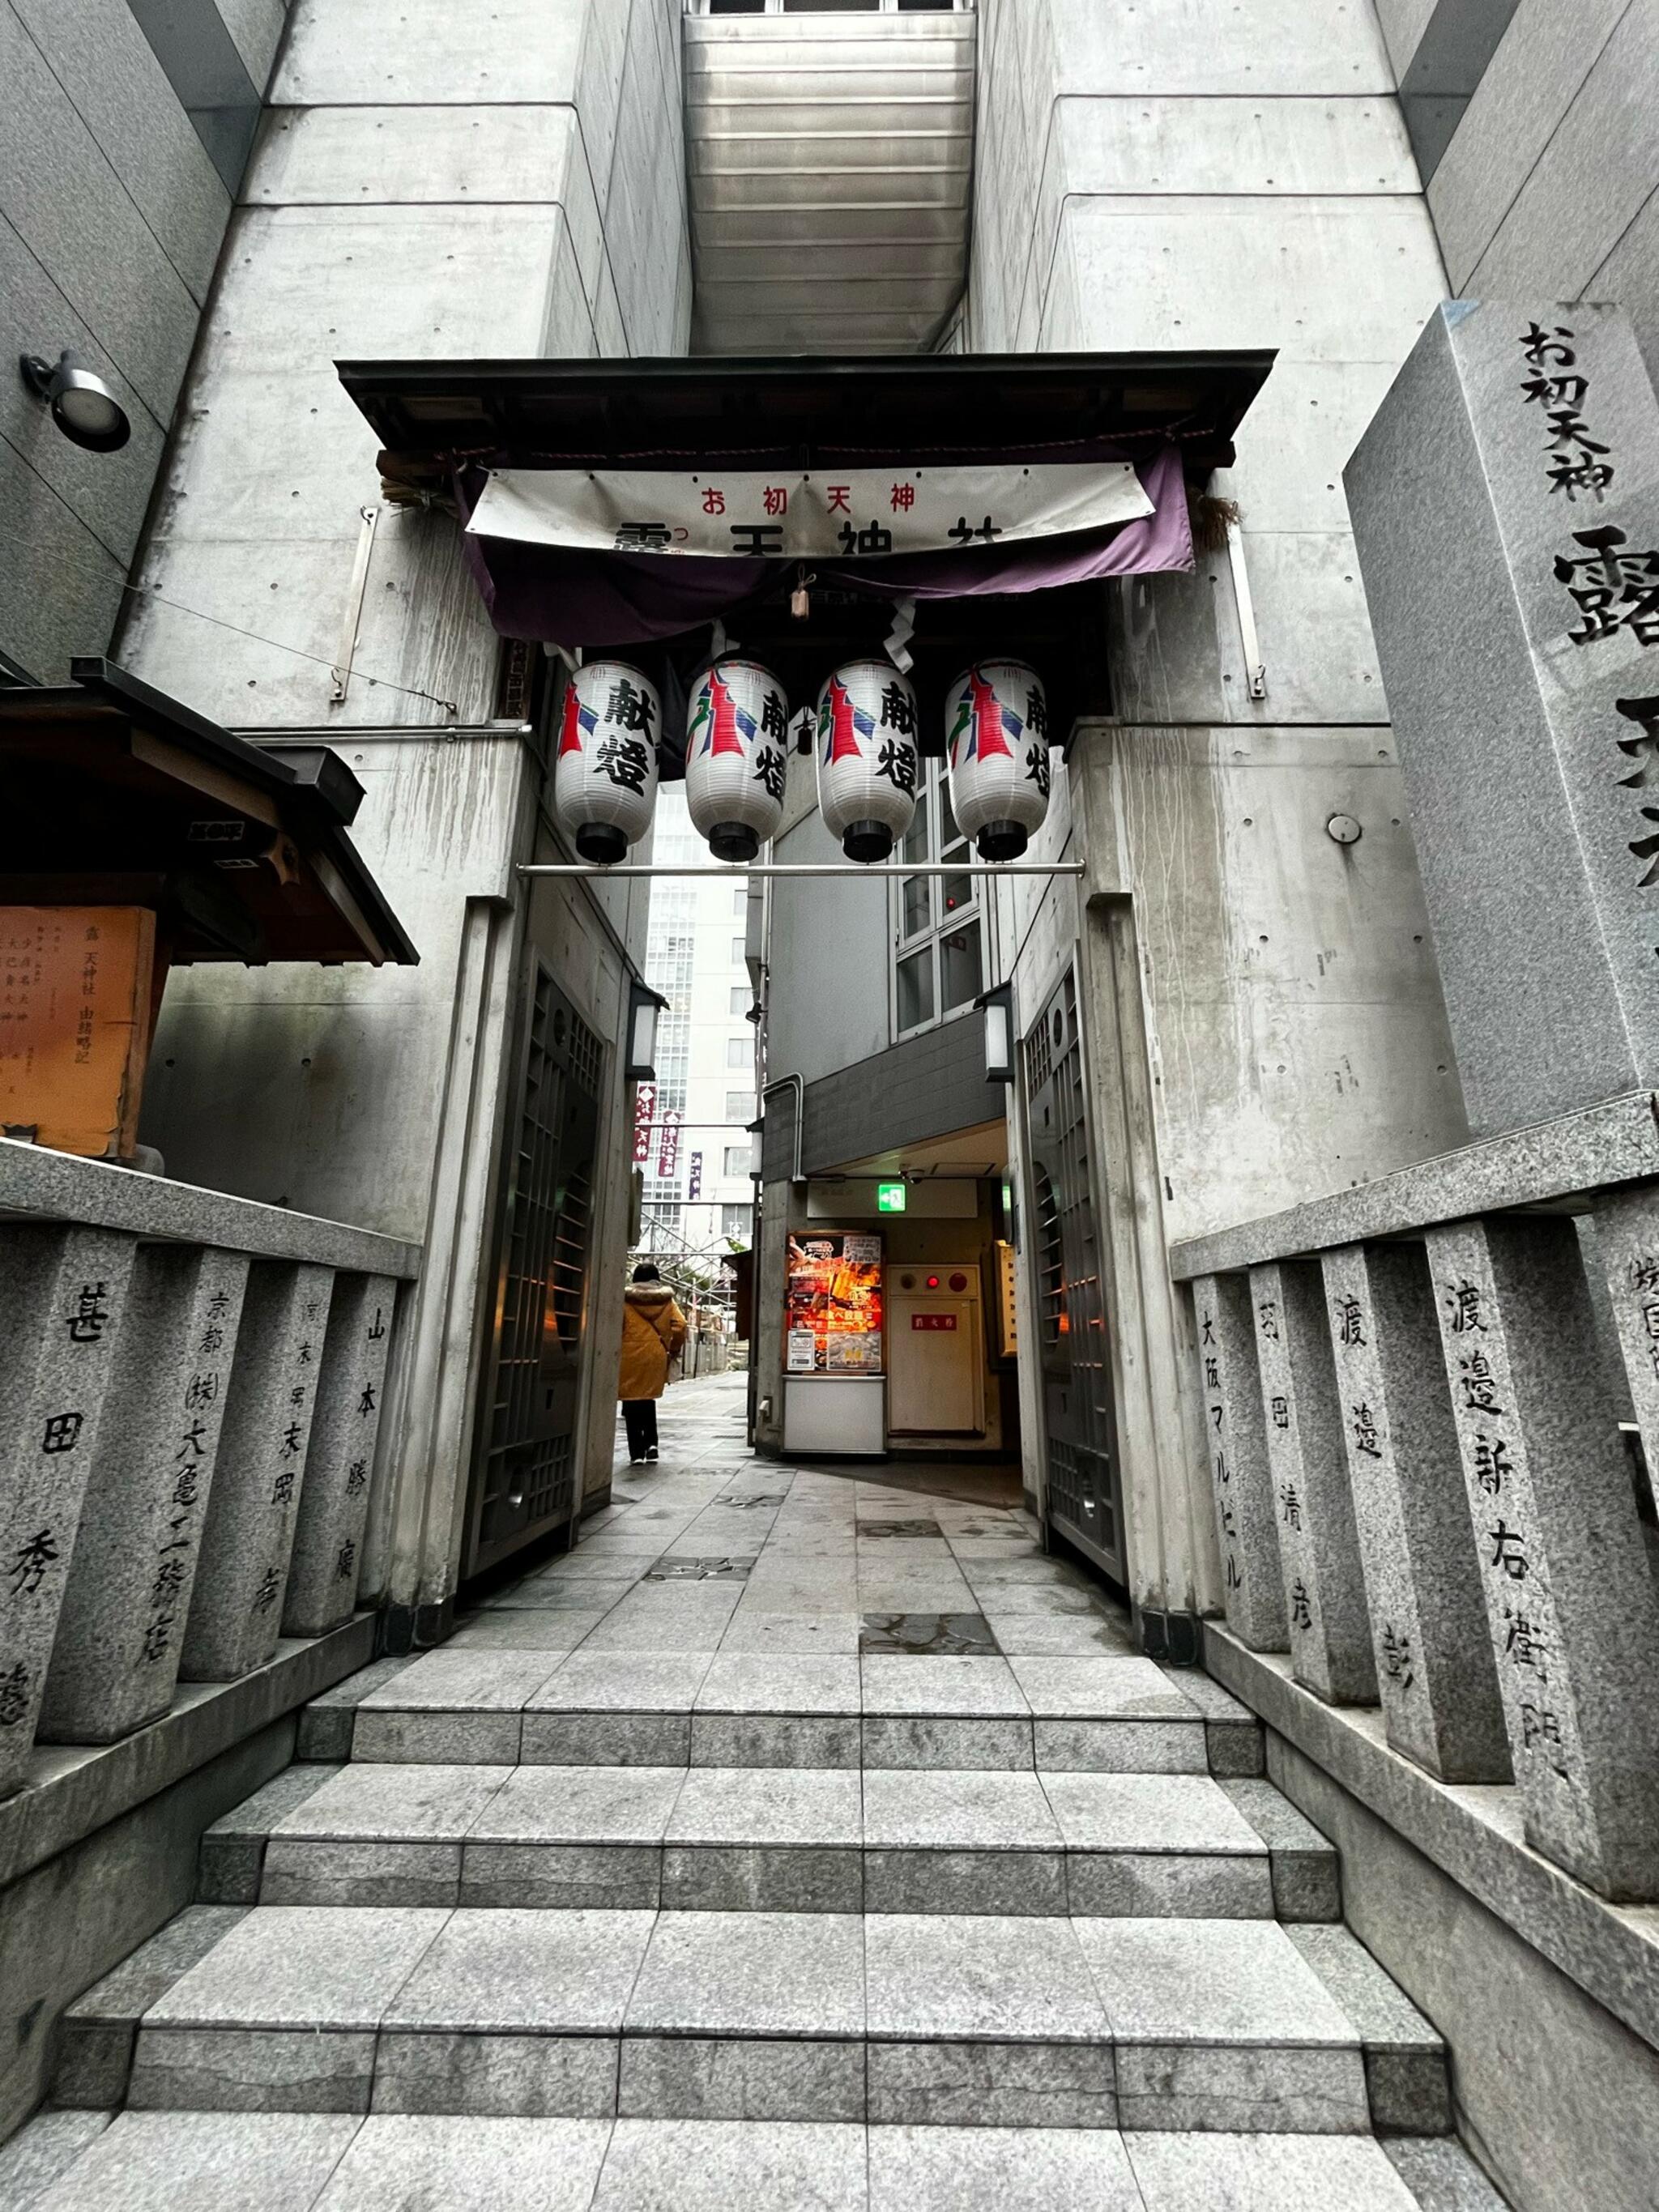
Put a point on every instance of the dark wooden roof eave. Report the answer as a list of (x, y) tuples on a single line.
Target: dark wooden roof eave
[(956, 409), (310, 804)]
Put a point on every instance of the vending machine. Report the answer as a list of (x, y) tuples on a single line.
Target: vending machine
[(835, 1366)]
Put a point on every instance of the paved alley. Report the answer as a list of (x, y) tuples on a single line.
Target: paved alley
[(799, 1838)]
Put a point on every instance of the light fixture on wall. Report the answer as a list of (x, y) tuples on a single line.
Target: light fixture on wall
[(644, 1004), (997, 1005), (83, 405)]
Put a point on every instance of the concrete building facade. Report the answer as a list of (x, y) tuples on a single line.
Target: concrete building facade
[(127, 130), (405, 195), (1233, 1101), (1146, 186)]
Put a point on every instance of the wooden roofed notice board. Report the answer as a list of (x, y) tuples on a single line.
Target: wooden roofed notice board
[(77, 986)]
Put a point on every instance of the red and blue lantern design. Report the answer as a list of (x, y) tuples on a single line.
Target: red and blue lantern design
[(604, 770), (997, 739), (737, 740), (869, 769)]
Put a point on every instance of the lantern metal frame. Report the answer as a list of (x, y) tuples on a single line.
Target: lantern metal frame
[(640, 1044), (997, 1005)]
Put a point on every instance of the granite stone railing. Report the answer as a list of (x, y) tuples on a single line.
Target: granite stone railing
[(1422, 1397), (191, 1395)]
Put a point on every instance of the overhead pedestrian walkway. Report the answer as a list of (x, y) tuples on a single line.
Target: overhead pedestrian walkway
[(797, 1834)]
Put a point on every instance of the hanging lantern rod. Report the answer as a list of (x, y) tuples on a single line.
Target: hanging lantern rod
[(798, 868)]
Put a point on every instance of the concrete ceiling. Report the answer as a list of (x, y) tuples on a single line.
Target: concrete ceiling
[(830, 160), (980, 1150)]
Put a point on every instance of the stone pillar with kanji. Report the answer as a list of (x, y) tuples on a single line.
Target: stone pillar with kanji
[(1505, 510), (236, 1613), (328, 1538), (1330, 1635), (1571, 1602), (63, 1301), (121, 1631), (1434, 1662), (1236, 1447), (1627, 1241)]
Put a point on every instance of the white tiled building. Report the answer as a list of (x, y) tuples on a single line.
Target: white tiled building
[(698, 1198)]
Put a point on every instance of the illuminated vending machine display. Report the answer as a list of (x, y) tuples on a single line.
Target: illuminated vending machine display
[(834, 1344)]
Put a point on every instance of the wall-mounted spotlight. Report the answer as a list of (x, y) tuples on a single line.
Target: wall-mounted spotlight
[(83, 405)]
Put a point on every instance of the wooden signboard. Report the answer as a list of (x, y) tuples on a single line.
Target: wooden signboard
[(75, 1008)]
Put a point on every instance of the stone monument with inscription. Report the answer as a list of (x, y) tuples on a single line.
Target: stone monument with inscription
[(1505, 506)]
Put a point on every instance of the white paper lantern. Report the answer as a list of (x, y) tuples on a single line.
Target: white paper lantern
[(868, 766), (736, 757), (604, 774), (997, 736)]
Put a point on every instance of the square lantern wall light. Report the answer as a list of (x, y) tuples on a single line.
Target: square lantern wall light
[(997, 1005), (644, 1004)]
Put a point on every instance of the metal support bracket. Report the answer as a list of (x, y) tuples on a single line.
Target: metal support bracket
[(850, 869), (1255, 669), (341, 672)]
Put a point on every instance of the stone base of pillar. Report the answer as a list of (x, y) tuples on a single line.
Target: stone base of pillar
[(1175, 1639)]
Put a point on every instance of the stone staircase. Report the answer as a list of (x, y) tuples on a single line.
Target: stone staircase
[(790, 1812)]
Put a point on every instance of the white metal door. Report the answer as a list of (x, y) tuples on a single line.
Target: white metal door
[(936, 1363)]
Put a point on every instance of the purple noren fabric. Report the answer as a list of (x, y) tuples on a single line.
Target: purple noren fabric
[(592, 599)]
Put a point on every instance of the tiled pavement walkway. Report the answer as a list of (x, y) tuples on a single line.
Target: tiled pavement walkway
[(798, 1839)]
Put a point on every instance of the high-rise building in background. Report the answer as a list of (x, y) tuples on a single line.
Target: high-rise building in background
[(695, 1147)]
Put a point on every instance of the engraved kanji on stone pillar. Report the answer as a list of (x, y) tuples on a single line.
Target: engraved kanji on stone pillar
[(1569, 1598), (328, 1540), (1318, 1550), (63, 1295), (116, 1660), (1237, 1449), (1627, 1238), (1434, 1661), (236, 1614)]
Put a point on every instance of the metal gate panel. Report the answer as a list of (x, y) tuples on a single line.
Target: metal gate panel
[(524, 1482), (1085, 1492)]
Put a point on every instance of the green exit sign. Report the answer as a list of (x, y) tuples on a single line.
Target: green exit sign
[(890, 1197)]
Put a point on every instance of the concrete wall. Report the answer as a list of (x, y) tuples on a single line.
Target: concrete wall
[(389, 210), (1294, 1015), (1178, 179), (1548, 186), (417, 192), (111, 212), (830, 950), (418, 189)]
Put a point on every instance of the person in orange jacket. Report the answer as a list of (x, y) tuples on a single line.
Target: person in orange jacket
[(654, 1330)]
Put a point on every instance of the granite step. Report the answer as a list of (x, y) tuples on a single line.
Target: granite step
[(746, 1838), (155, 2162), (703, 1708), (899, 2019)]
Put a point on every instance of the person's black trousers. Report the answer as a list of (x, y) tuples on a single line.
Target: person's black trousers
[(640, 1416)]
